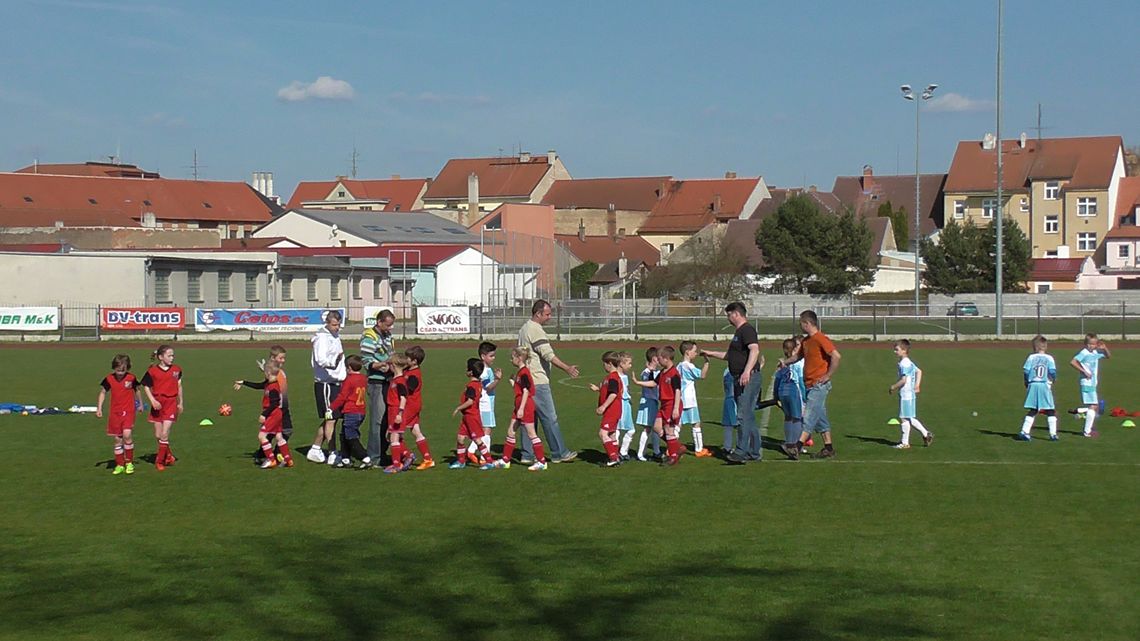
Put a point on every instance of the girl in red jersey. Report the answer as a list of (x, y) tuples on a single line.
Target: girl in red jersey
[(272, 418), (523, 413), (124, 390), (163, 386), (397, 402), (609, 406), (471, 424)]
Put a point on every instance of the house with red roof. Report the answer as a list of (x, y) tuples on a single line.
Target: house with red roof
[(1062, 192), (1122, 243), (687, 206), (609, 207), (479, 185), (1066, 274), (345, 194), (866, 193)]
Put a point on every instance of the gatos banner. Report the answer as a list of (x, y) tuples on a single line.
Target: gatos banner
[(443, 320), (142, 318), (24, 319), (261, 320)]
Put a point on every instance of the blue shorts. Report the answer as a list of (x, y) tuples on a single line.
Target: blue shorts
[(625, 423), (1039, 396), (908, 408), (815, 408), (350, 428), (488, 419), (1088, 396), (690, 416), (647, 412)]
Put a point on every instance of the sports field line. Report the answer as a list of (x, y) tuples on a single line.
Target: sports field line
[(1036, 463)]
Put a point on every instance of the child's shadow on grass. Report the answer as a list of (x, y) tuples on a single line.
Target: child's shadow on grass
[(872, 439), (1006, 435), (593, 456)]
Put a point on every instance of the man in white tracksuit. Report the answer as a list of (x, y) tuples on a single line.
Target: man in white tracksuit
[(328, 374)]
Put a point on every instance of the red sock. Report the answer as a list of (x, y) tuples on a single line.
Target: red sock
[(673, 446), (169, 454), (119, 459), (284, 447), (508, 449), (423, 445), (129, 449), (485, 451), (461, 452), (611, 449), (267, 449), (163, 452), (539, 453)]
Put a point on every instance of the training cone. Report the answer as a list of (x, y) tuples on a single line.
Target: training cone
[(1128, 423), (893, 421), (206, 422)]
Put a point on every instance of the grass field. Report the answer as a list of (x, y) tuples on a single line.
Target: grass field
[(977, 537)]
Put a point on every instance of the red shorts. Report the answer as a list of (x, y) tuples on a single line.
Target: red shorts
[(117, 422), (169, 411), (471, 427), (273, 423), (528, 414), (393, 426), (666, 416), (410, 420), (611, 419)]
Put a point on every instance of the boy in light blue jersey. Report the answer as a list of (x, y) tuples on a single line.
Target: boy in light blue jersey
[(1087, 362), (1039, 371), (489, 379), (908, 385), (788, 389), (647, 406), (625, 423), (690, 412)]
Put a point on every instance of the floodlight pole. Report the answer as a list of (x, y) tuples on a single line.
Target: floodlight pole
[(918, 98), (1000, 215)]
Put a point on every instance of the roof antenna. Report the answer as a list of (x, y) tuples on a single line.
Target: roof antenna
[(355, 156), (1039, 128), (194, 167)]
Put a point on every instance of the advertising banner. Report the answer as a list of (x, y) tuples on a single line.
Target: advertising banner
[(443, 320), (261, 320), (142, 318), (29, 319), (371, 311)]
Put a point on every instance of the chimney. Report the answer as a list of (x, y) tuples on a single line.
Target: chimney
[(269, 184), (989, 141), (716, 205), (472, 197), (581, 230), (623, 266), (395, 176), (551, 156), (812, 189), (1021, 140), (524, 156), (730, 175), (661, 190), (868, 178), (611, 221)]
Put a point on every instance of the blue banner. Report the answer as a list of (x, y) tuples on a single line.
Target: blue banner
[(261, 320)]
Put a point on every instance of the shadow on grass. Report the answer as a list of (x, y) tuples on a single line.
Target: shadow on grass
[(872, 439), (1012, 436), (524, 583)]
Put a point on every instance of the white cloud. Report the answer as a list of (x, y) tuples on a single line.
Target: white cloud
[(323, 88), (956, 102)]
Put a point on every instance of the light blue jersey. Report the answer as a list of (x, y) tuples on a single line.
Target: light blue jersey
[(487, 400), (908, 403), (647, 406), (625, 423), (1091, 362), (1039, 371)]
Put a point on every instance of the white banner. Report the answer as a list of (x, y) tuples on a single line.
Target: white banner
[(29, 319), (261, 320), (371, 311), (443, 320)]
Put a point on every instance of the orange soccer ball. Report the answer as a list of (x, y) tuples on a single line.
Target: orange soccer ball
[(225, 409)]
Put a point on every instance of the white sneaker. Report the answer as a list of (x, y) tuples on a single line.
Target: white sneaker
[(333, 457), (902, 446), (315, 454), (537, 467)]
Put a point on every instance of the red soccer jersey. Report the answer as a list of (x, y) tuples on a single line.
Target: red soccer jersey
[(353, 395), (415, 384), (271, 407), (162, 382), (396, 388), (524, 382), (611, 384), (668, 387), (122, 393), (473, 392)]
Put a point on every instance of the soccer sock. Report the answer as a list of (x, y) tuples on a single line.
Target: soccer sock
[(920, 427), (641, 444), (1027, 424), (423, 445), (398, 454), (539, 454), (626, 440), (129, 450), (698, 439), (284, 447), (1090, 417), (904, 427), (486, 440), (1052, 421), (1082, 410), (163, 452), (119, 458), (460, 451), (673, 446), (472, 448), (509, 449), (267, 449), (611, 450)]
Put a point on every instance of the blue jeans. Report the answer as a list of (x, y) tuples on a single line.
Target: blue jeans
[(748, 434), (546, 417), (815, 408), (728, 417), (377, 419)]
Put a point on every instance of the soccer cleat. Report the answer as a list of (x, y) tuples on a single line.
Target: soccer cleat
[(702, 453), (333, 458), (489, 466), (928, 439), (455, 465), (288, 462), (671, 460), (526, 460), (269, 464), (365, 464), (119, 469), (1092, 434), (315, 454), (642, 459), (130, 469), (409, 461), (613, 462), (566, 458), (159, 465), (1054, 437), (503, 463), (281, 459), (393, 469), (538, 466), (809, 442), (901, 446), (1022, 436)]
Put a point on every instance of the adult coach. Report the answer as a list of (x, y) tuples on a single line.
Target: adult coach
[(821, 359), (744, 365), (376, 347), (328, 374), (542, 356)]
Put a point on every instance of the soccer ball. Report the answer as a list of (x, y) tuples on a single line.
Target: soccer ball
[(225, 409)]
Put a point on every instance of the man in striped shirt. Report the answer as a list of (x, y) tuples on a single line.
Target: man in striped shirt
[(376, 347), (542, 356)]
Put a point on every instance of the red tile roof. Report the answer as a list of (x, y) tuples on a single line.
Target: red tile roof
[(506, 177), (38, 200), (401, 193), (865, 194), (627, 194), (104, 169), (1053, 269), (826, 201), (690, 205), (1127, 202), (1087, 163), (603, 249)]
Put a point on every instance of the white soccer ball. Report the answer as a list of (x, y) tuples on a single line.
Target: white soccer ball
[(975, 413)]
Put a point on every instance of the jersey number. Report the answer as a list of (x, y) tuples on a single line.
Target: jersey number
[(360, 395)]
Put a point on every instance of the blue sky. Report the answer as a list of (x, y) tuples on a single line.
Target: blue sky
[(798, 92)]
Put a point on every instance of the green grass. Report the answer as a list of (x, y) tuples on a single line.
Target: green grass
[(976, 537)]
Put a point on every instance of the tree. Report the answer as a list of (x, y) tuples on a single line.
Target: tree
[(899, 224), (1132, 160), (963, 260), (579, 279), (714, 269), (807, 251)]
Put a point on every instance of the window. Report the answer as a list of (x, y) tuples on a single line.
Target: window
[(366, 208), (1052, 190), (224, 293), (1043, 288), (989, 206), (1123, 251), (959, 209), (340, 194), (1086, 241), (1052, 224), (194, 286), (311, 290), (356, 287), (666, 248), (377, 289), (207, 205), (1052, 253), (28, 199), (251, 285), (1086, 206), (334, 287), (146, 202), (1024, 205), (286, 287), (162, 286), (93, 201)]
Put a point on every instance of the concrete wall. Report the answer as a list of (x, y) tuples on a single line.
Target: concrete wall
[(50, 279), (566, 221), (1053, 303), (115, 237)]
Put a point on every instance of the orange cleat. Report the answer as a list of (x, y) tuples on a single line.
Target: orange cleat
[(702, 453), (426, 465)]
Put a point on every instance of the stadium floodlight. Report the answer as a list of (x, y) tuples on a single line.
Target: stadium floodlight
[(908, 94)]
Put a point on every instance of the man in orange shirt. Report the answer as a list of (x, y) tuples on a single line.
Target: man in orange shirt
[(821, 359)]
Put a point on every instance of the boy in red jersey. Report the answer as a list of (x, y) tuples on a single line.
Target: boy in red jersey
[(272, 419), (669, 414), (471, 425), (397, 402), (163, 386), (609, 406), (125, 401), (411, 416), (351, 403), (523, 413)]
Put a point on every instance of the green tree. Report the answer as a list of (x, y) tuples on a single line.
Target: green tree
[(808, 251), (714, 269), (963, 259), (579, 279), (899, 224)]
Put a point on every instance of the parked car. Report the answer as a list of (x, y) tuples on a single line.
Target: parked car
[(963, 309)]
